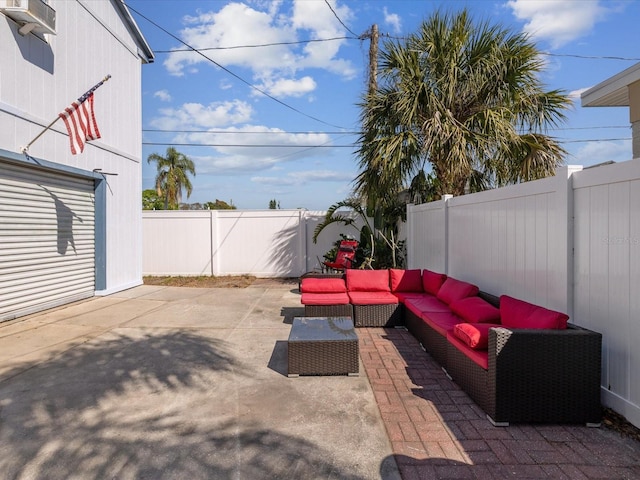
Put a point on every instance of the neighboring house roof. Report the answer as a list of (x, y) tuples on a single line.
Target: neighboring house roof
[(614, 91), (144, 50)]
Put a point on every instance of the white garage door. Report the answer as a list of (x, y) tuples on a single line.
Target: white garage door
[(46, 239)]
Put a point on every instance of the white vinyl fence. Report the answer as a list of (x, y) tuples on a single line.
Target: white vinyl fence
[(569, 242), (264, 243)]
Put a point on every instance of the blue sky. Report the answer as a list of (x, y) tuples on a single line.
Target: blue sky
[(279, 121)]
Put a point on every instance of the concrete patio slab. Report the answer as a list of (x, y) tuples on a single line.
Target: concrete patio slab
[(179, 383)]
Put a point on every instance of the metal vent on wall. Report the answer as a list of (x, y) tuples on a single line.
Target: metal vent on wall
[(33, 15)]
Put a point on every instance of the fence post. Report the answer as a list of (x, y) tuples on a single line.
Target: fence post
[(445, 199)]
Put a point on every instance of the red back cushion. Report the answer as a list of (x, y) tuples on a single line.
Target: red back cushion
[(453, 290), (432, 281), (475, 335), (517, 313), (405, 280), (323, 285), (475, 310), (367, 280)]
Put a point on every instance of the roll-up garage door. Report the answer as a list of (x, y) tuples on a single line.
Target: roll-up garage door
[(47, 238)]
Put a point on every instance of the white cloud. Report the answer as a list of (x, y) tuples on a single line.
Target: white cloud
[(196, 115), (238, 24), (393, 19), (575, 94), (163, 95), (288, 87), (301, 178), (557, 21), (597, 152)]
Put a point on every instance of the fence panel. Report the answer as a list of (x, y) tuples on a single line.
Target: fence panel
[(261, 243), (427, 236), (264, 243), (607, 275), (511, 240), (176, 243)]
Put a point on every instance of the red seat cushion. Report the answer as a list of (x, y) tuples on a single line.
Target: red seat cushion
[(453, 290), (404, 296), (515, 313), (432, 281), (441, 322), (426, 303), (372, 298), (323, 285), (405, 280), (324, 299), (481, 357), (368, 280), (475, 310)]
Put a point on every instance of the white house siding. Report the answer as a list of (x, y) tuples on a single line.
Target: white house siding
[(38, 79)]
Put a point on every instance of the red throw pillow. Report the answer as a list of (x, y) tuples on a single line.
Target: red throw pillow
[(432, 281), (405, 280), (475, 335), (475, 310), (515, 313), (367, 280), (453, 290)]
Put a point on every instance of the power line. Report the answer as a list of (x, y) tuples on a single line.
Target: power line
[(252, 132), (341, 132), (235, 75), (246, 145), (260, 45), (336, 15)]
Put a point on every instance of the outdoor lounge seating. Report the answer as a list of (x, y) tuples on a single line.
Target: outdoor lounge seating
[(519, 362)]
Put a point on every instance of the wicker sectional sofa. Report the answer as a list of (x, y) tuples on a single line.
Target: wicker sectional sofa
[(519, 362)]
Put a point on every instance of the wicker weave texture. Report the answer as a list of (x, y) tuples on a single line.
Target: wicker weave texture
[(328, 311), (386, 315), (432, 341), (323, 358), (469, 376), (550, 376)]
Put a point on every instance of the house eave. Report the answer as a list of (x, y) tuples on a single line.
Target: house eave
[(144, 50), (614, 91)]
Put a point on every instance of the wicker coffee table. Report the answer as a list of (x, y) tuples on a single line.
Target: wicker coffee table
[(323, 346)]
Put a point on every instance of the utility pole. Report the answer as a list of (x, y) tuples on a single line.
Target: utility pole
[(373, 59)]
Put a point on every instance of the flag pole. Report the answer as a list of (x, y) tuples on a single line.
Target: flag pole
[(80, 100)]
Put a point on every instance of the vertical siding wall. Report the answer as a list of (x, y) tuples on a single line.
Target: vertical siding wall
[(39, 79), (264, 243), (569, 242)]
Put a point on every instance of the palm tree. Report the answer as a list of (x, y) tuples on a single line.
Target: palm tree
[(172, 176), (464, 99)]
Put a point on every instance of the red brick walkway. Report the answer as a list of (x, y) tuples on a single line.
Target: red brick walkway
[(437, 432)]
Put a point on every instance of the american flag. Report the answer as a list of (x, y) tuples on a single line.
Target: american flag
[(80, 122)]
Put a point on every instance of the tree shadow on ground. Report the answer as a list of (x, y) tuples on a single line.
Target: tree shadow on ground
[(140, 406)]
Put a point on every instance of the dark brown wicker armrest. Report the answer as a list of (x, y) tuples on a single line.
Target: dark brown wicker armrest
[(544, 375)]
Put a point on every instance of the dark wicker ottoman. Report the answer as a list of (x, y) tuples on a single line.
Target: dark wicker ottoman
[(323, 346)]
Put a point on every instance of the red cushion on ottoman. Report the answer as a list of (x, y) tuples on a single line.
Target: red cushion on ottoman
[(475, 310), (516, 313), (405, 280), (367, 280)]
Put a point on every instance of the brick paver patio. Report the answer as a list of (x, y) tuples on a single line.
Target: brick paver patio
[(437, 432)]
